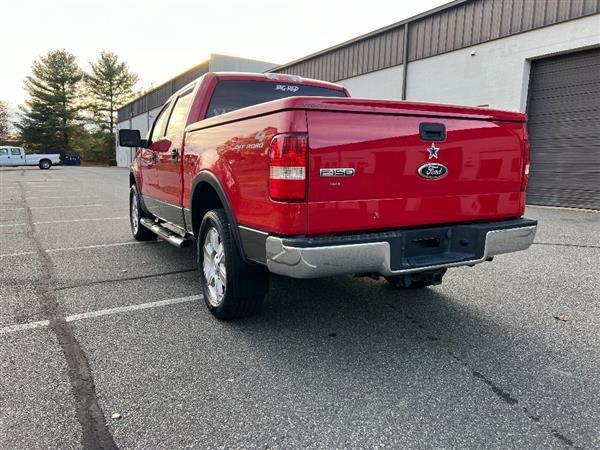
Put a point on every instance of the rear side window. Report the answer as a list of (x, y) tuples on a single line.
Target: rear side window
[(15, 151), (232, 95), (179, 117), (159, 124)]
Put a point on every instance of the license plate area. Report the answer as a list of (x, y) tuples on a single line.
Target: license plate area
[(434, 246)]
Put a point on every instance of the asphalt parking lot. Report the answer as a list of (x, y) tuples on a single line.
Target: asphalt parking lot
[(93, 324)]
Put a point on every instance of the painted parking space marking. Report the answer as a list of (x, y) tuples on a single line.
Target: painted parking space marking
[(84, 247), (53, 207), (565, 208), (13, 255), (59, 197), (65, 221), (102, 312), (125, 309), (24, 326), (79, 220)]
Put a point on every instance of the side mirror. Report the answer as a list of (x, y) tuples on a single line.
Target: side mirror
[(131, 138)]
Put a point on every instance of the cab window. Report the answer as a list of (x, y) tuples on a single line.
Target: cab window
[(230, 95), (3, 151), (15, 151), (159, 124)]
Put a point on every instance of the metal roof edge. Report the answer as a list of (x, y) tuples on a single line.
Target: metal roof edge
[(414, 18), (170, 80)]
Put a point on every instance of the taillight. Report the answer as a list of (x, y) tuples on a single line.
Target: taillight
[(287, 167), (525, 175)]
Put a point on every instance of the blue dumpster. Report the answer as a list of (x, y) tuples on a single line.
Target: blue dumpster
[(72, 159)]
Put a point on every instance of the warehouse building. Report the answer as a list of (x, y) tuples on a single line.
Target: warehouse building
[(140, 113), (536, 56)]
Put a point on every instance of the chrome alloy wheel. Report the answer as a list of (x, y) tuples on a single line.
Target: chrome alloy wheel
[(213, 266), (134, 214)]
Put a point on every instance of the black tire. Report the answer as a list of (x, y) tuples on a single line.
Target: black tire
[(44, 164), (417, 280), (245, 285), (140, 232)]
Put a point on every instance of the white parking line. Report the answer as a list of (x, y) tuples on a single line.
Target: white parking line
[(565, 208), (85, 247), (24, 326), (52, 207), (101, 312), (124, 309), (52, 191), (10, 255), (45, 180), (116, 244), (80, 220), (59, 196), (64, 221)]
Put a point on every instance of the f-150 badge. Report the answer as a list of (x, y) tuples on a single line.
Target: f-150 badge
[(433, 171), (337, 172)]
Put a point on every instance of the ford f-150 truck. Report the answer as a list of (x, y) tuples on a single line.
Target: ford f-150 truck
[(15, 156), (292, 176)]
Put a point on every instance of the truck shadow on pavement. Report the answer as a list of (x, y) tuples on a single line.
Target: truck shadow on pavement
[(387, 345)]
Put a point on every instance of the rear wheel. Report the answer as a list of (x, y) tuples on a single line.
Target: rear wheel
[(45, 164), (139, 231), (417, 280), (231, 287)]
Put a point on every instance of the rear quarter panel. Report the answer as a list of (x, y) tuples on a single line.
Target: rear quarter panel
[(34, 159), (237, 153)]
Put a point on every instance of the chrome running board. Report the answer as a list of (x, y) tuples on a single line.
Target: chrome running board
[(165, 234)]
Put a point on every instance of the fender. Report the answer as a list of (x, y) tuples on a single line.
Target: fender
[(210, 178), (135, 181)]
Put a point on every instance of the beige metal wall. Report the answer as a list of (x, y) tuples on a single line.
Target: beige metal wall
[(461, 24)]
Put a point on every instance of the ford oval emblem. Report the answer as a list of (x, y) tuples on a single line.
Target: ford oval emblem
[(433, 171)]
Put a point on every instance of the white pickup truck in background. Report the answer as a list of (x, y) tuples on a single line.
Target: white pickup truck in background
[(15, 156)]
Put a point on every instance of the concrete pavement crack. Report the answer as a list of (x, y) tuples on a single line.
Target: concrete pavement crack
[(558, 244), (114, 280), (95, 433), (497, 390)]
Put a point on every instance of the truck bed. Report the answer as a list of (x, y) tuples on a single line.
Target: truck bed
[(484, 152)]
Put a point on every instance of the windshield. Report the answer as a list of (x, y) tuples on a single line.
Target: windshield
[(232, 95)]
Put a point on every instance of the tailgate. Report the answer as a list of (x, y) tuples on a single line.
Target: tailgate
[(476, 176)]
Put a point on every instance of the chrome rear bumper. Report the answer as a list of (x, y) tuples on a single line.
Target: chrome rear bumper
[(299, 258)]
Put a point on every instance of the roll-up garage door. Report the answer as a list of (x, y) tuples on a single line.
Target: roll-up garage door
[(564, 130)]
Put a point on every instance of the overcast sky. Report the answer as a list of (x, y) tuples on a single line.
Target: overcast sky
[(161, 38)]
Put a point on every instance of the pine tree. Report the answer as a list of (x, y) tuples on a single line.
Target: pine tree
[(4, 121), (110, 86), (52, 111)]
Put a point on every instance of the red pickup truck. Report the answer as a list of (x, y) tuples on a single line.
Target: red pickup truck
[(292, 176)]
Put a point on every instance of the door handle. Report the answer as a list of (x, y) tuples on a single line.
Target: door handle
[(174, 155)]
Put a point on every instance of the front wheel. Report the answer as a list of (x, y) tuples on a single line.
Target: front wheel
[(139, 231), (45, 164), (231, 287)]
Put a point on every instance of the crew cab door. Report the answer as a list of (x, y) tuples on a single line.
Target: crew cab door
[(169, 162), (149, 158), (14, 156), (4, 159)]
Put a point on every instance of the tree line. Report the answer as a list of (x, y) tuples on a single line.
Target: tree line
[(70, 109)]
